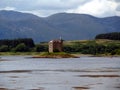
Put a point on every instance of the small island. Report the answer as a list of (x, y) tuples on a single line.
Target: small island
[(55, 51), (55, 55)]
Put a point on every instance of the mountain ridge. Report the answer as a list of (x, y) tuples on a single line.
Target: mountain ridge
[(68, 25)]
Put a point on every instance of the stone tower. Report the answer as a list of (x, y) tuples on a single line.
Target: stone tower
[(56, 45)]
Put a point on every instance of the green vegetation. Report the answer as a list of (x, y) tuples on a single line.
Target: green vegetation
[(4, 48), (21, 48), (111, 36), (16, 45), (41, 48), (13, 43), (24, 46), (19, 53), (93, 47), (55, 55)]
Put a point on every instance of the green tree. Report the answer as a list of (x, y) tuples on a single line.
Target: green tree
[(39, 48), (21, 48)]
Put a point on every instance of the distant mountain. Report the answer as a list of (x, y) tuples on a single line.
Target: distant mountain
[(21, 25), (14, 15), (69, 26), (82, 26)]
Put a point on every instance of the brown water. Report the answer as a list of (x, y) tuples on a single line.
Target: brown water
[(85, 73)]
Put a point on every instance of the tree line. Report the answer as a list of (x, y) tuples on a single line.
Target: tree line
[(111, 36), (21, 45), (13, 43), (89, 47)]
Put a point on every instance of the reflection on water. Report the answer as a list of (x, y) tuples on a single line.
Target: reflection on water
[(85, 73)]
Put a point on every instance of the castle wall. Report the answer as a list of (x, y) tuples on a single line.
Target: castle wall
[(56, 45)]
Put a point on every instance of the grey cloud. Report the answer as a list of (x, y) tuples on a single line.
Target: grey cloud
[(76, 1), (117, 0), (114, 0), (42, 4), (118, 5), (46, 7), (18, 4), (118, 8)]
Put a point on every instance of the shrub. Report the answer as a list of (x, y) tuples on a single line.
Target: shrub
[(118, 52), (4, 48), (41, 48)]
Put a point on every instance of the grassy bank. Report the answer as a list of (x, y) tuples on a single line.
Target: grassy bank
[(55, 55), (18, 53)]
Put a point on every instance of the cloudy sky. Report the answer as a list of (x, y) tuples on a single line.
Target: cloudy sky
[(99, 8)]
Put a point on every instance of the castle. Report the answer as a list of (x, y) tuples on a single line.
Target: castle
[(56, 45)]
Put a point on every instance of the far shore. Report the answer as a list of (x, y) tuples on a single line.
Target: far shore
[(99, 55), (38, 53)]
